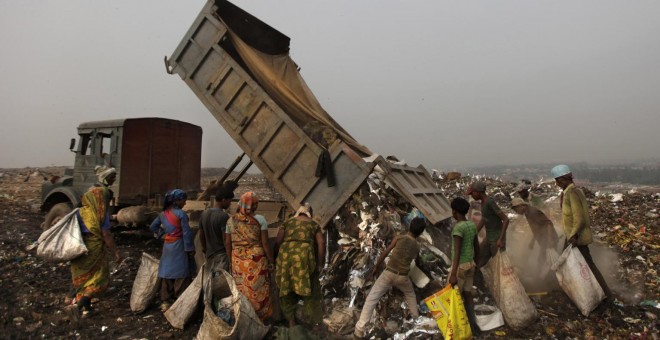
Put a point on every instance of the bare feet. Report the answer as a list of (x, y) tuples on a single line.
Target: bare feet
[(73, 314)]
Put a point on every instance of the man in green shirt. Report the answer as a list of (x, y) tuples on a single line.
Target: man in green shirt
[(493, 219), (575, 217), (464, 251)]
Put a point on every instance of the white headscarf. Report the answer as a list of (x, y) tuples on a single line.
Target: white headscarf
[(304, 209), (102, 173)]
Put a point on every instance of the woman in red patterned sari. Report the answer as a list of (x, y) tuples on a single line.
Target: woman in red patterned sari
[(251, 258)]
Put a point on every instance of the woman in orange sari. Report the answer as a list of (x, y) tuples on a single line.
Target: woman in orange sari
[(90, 272), (246, 240)]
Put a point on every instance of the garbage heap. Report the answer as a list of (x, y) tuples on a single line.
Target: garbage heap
[(376, 213), (359, 233)]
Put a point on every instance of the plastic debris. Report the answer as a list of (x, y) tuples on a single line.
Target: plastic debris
[(650, 303)]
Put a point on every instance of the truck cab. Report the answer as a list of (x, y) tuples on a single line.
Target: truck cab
[(151, 156)]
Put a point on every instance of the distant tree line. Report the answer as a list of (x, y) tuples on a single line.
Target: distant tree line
[(640, 173), (647, 175)]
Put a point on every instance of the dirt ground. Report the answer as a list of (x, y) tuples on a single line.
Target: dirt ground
[(33, 292)]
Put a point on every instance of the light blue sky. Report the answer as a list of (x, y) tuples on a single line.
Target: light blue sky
[(442, 83)]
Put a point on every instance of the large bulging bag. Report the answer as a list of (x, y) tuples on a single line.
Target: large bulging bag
[(145, 285), (62, 242), (186, 305), (577, 280), (500, 276), (247, 324), (448, 310)]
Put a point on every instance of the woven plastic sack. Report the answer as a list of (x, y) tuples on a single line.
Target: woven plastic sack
[(62, 242), (488, 317), (448, 310), (577, 280), (145, 285), (185, 306), (500, 276), (247, 326)]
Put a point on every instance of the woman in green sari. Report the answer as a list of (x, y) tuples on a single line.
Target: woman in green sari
[(90, 272), (298, 266)]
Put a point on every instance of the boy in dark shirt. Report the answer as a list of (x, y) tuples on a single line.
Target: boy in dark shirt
[(212, 226), (493, 219)]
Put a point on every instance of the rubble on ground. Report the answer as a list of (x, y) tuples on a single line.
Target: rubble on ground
[(376, 213), (626, 226)]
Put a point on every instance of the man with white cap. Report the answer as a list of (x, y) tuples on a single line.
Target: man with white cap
[(575, 217)]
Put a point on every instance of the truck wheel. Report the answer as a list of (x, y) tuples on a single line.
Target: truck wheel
[(55, 214)]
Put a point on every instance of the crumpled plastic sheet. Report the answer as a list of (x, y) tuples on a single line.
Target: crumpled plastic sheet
[(421, 327), (355, 282)]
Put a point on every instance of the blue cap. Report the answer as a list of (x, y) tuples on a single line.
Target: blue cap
[(560, 170)]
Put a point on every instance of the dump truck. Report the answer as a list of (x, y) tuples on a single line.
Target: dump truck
[(151, 155), (240, 69)]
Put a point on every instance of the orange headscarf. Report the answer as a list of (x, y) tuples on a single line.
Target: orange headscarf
[(248, 203)]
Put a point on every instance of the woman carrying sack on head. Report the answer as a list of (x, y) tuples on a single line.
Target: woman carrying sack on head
[(246, 241), (90, 271), (175, 270), (298, 266)]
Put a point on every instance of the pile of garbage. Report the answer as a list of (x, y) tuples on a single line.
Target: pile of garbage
[(376, 213), (22, 187), (628, 222), (359, 233)]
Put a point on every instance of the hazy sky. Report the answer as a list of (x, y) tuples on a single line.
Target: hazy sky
[(442, 83)]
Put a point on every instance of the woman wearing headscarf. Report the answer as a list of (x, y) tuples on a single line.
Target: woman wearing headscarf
[(175, 270), (298, 265), (246, 240), (90, 272)]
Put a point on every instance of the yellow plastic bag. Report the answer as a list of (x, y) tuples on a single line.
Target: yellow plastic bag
[(448, 310)]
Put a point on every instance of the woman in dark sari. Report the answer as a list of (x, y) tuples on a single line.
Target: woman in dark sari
[(90, 272)]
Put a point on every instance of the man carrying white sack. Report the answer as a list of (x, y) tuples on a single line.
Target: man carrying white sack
[(575, 217)]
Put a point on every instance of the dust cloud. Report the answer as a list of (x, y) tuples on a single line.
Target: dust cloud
[(537, 277)]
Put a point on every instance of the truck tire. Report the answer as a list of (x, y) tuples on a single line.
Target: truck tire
[(55, 214)]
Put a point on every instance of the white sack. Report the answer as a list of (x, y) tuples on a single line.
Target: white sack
[(247, 326), (145, 285), (185, 306), (577, 280), (491, 320), (509, 293), (63, 242)]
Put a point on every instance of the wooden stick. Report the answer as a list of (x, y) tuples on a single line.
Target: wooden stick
[(541, 310)]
